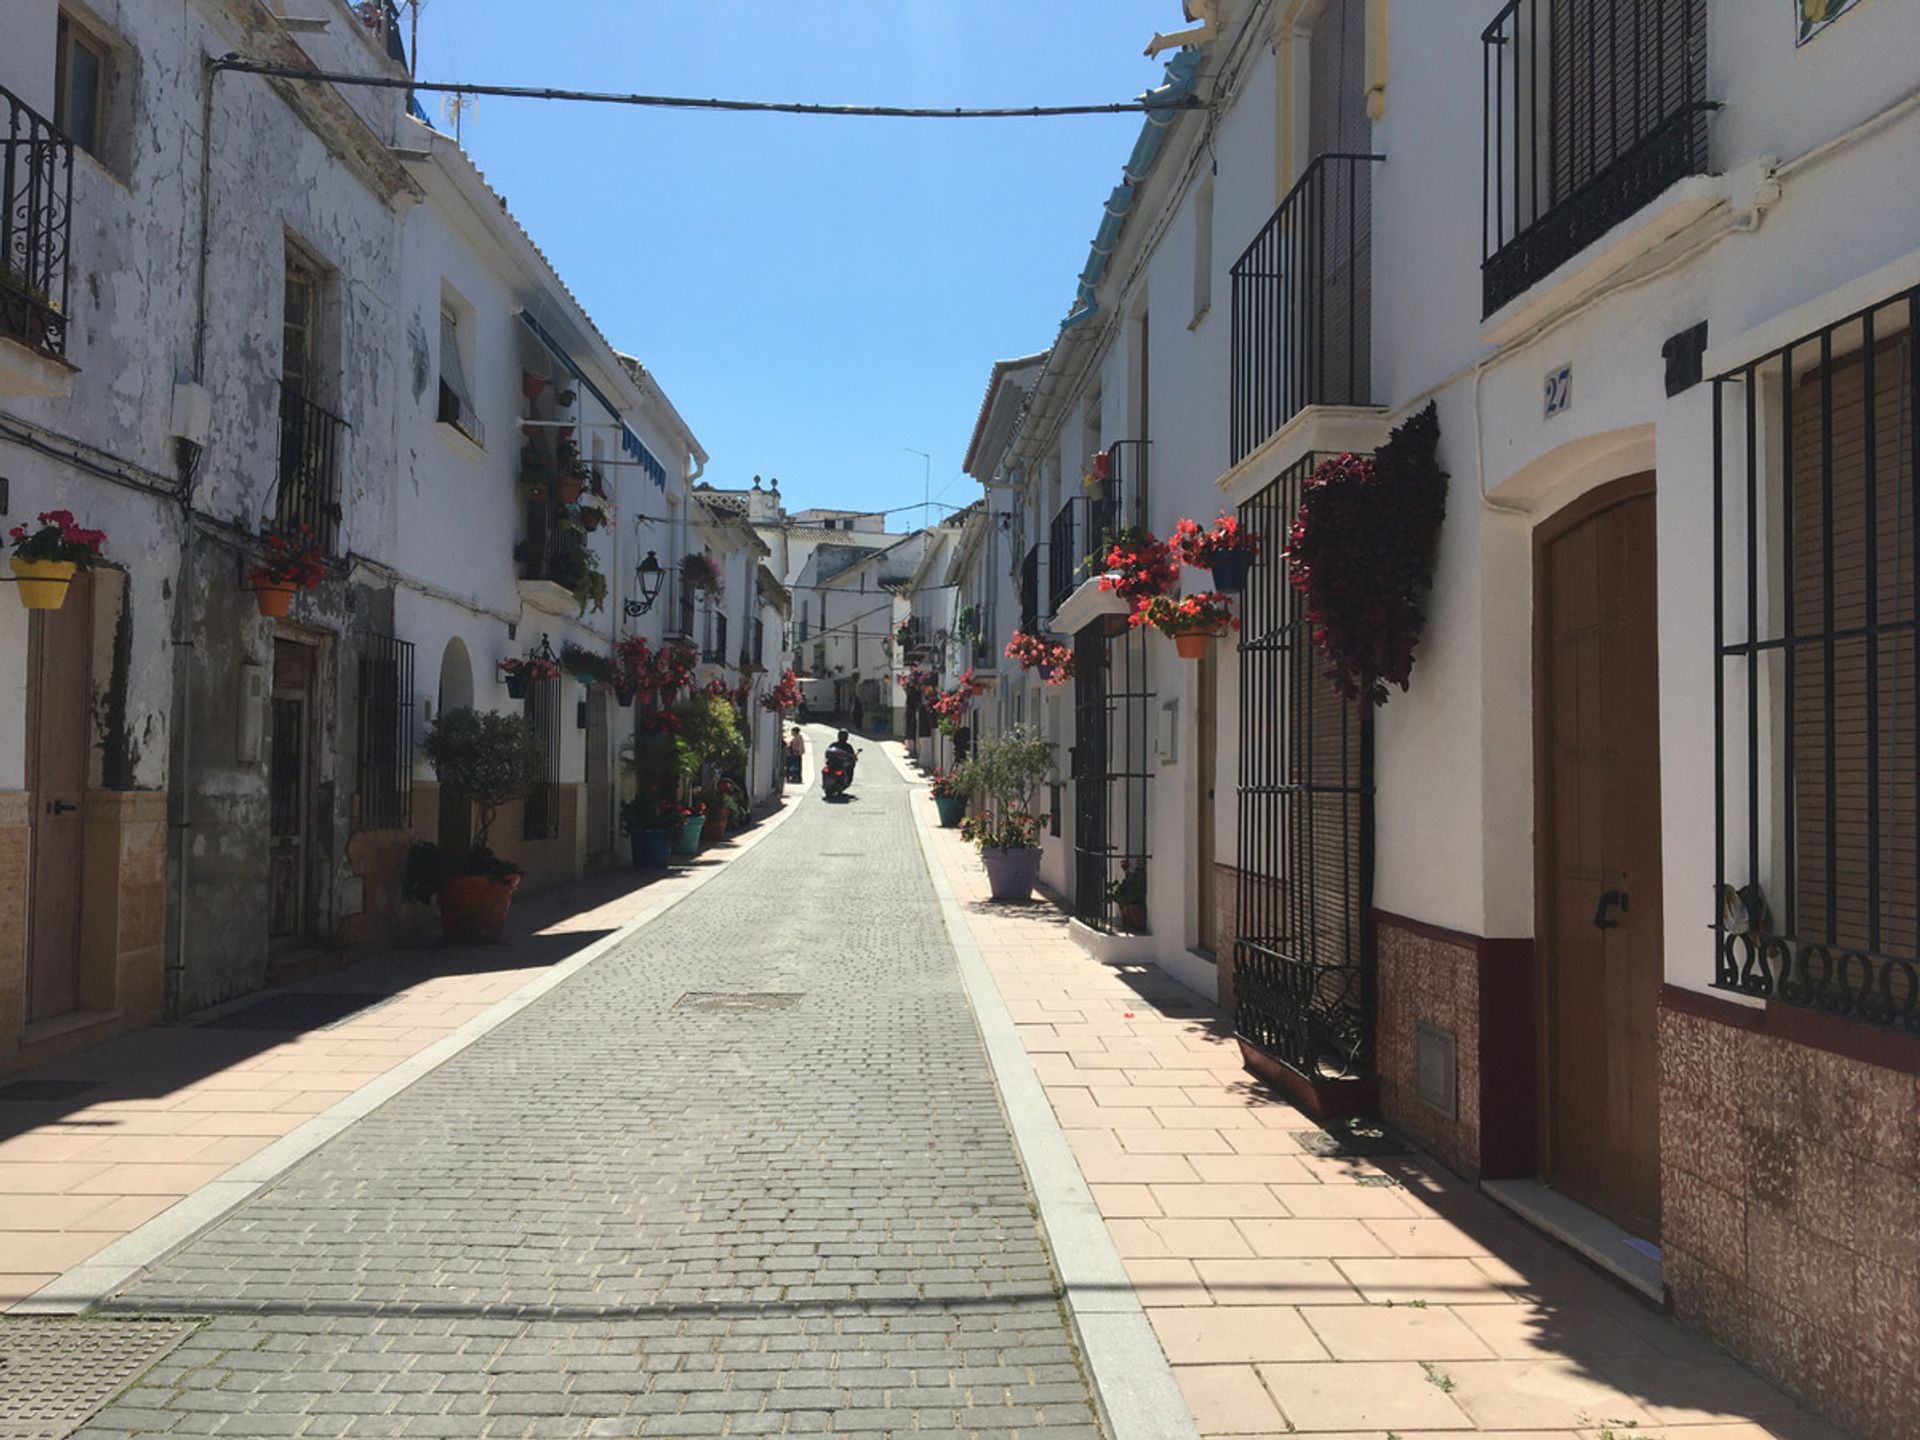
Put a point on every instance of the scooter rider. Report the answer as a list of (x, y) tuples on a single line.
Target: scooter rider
[(841, 750)]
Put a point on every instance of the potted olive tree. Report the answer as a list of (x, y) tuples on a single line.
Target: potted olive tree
[(1004, 772), (488, 758)]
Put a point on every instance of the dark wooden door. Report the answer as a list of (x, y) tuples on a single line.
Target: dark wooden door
[(1206, 752), (289, 793), (59, 684), (1599, 871)]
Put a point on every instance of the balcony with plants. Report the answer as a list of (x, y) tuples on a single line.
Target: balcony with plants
[(565, 502), (36, 206)]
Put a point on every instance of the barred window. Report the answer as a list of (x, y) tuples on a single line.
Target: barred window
[(384, 773), (1819, 682), (542, 820)]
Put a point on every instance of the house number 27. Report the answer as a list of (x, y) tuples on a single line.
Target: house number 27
[(1559, 390)]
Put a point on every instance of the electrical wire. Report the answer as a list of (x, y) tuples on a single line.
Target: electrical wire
[(241, 65)]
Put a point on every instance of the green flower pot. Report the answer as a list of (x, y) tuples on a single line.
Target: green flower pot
[(952, 808), (687, 841)]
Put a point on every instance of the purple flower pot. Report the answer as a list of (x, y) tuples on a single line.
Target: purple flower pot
[(1011, 873)]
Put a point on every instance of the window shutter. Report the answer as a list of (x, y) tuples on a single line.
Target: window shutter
[(456, 396)]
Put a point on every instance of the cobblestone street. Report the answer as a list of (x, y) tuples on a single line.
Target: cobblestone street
[(747, 1174)]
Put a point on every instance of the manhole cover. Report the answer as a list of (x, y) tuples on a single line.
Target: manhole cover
[(55, 1373), (46, 1089), (737, 1003), (1343, 1139), (316, 1010)]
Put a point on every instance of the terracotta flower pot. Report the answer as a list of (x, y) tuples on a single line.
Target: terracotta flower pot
[(952, 808), (274, 597), (473, 908), (566, 489), (1010, 873), (687, 842), (1192, 644), (716, 826), (1133, 916), (44, 583)]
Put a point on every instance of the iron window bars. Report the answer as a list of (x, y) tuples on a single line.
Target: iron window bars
[(714, 652), (1589, 109), (1302, 303), (1061, 559), (384, 773), (309, 489), (1303, 949), (1084, 526), (36, 204), (542, 818), (1030, 592), (1110, 763), (1817, 686)]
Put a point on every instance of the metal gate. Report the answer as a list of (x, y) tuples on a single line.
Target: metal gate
[(1303, 947), (1111, 768)]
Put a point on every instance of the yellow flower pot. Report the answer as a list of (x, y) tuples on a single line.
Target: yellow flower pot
[(43, 583)]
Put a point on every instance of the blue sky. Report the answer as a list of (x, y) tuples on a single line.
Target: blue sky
[(816, 295)]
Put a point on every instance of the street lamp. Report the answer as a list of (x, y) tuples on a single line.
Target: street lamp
[(649, 574)]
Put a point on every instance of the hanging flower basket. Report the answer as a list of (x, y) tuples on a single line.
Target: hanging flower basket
[(1361, 552), (43, 583), (1192, 644), (1226, 550), (1138, 566), (1030, 652), (293, 563), (1192, 621), (46, 559)]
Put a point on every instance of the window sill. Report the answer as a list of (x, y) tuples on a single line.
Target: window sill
[(458, 441), (27, 370)]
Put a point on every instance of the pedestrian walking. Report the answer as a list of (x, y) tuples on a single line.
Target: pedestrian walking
[(859, 711), (796, 747)]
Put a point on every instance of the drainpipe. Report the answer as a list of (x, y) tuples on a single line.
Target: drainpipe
[(189, 453)]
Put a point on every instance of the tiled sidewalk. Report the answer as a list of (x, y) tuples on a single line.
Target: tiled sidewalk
[(1294, 1293), (169, 1109)]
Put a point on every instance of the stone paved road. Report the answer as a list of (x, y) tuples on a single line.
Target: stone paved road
[(635, 1210)]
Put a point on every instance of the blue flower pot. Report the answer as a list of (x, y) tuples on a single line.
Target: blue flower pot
[(650, 848), (1230, 570)]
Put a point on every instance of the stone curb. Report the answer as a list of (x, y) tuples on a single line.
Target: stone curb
[(96, 1278), (1133, 1384)]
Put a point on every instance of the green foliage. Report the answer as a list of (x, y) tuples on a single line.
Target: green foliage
[(488, 756), (1007, 770), (710, 728)]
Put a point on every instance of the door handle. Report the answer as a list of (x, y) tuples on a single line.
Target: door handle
[(1601, 919), (60, 807)]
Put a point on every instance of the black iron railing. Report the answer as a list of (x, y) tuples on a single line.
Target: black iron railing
[(1030, 591), (714, 649), (1111, 771), (36, 204), (1063, 555), (677, 599), (1303, 956), (1590, 109), (1303, 301), (384, 773), (1817, 681), (541, 819), (311, 440)]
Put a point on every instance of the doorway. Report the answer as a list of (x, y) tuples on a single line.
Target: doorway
[(1598, 878), (59, 698), (1206, 751), (599, 779), (290, 795)]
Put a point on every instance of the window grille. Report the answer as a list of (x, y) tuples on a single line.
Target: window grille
[(1817, 691), (36, 204), (542, 821), (1111, 765), (1590, 108), (1030, 592), (384, 774), (1303, 952), (456, 396)]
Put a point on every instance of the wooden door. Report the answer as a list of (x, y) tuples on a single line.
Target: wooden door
[(289, 793), (1206, 749), (599, 779), (1598, 879), (59, 685)]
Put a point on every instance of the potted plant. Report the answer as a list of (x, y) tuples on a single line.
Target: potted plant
[(650, 820), (1138, 566), (1006, 771), (1226, 550), (570, 478), (1128, 895), (488, 758), (949, 798), (45, 559), (699, 571), (1099, 469), (519, 673), (1192, 620), (693, 820), (589, 667), (292, 563)]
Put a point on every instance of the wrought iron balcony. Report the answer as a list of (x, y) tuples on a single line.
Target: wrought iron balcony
[(36, 203), (1590, 110), (310, 445), (1063, 558), (1303, 303)]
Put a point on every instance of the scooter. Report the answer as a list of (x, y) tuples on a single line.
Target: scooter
[(835, 776)]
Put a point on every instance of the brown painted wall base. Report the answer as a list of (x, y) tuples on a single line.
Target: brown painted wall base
[(1790, 1227), (1322, 1099), (1481, 992)]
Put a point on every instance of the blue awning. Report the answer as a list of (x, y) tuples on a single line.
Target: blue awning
[(635, 447)]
